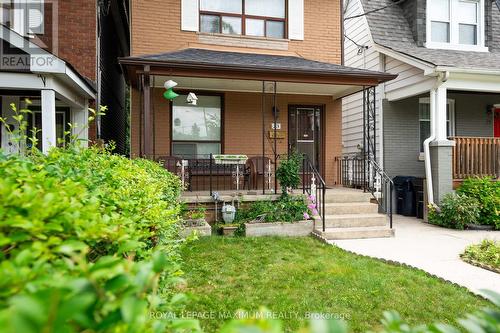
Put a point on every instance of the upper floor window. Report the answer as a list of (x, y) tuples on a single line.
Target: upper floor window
[(24, 17), (262, 18), (456, 24)]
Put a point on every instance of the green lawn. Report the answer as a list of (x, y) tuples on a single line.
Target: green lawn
[(293, 277)]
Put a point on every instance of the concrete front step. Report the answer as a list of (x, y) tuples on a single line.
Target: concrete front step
[(355, 233), (347, 196), (355, 220), (339, 208)]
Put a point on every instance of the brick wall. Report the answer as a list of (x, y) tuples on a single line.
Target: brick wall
[(156, 29), (75, 22), (243, 124)]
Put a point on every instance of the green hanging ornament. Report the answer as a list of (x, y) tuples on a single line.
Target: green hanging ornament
[(170, 93)]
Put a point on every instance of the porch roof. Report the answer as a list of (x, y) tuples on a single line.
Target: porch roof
[(194, 62)]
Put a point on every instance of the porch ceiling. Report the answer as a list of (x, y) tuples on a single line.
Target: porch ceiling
[(252, 86)]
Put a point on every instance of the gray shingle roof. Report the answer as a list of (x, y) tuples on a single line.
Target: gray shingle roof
[(252, 60), (390, 28)]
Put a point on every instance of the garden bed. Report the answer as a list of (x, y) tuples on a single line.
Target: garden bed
[(485, 255), (200, 228), (295, 229)]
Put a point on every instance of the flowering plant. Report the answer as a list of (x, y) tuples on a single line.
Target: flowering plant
[(312, 209)]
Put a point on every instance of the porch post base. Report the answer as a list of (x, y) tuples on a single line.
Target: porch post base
[(442, 168)]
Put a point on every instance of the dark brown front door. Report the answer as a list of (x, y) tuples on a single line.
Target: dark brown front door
[(304, 132)]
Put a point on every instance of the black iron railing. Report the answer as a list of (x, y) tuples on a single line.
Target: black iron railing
[(364, 173), (202, 173), (314, 185)]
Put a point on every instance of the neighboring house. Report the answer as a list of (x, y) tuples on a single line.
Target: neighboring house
[(50, 52), (440, 118), (267, 78)]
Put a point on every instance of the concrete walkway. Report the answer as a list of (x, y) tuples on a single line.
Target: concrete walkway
[(433, 249)]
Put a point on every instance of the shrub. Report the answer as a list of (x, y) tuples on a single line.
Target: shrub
[(285, 209), (456, 211), (288, 172), (87, 242), (487, 192), (487, 252)]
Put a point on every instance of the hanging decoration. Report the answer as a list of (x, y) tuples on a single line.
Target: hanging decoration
[(170, 93)]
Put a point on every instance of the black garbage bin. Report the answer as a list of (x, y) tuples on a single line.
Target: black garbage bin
[(418, 188), (405, 195)]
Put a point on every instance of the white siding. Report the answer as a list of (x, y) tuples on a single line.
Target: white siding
[(407, 75), (352, 106)]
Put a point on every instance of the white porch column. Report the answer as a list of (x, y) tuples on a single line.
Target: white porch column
[(441, 147), (441, 107), (79, 119), (48, 120)]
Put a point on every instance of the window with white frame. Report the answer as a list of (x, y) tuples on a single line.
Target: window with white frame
[(455, 24), (26, 18), (424, 119)]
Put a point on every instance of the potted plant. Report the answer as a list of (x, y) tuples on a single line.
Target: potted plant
[(288, 173)]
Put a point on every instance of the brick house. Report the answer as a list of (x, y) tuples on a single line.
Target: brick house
[(50, 53), (268, 81)]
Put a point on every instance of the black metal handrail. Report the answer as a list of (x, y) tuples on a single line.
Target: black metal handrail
[(314, 184), (365, 173), (381, 186)]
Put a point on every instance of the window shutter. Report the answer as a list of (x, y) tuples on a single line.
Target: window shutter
[(35, 16), (296, 19), (190, 15)]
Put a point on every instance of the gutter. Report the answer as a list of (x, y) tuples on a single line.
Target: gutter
[(442, 78)]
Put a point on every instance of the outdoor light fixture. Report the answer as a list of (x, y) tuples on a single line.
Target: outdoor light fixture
[(192, 99), (170, 94)]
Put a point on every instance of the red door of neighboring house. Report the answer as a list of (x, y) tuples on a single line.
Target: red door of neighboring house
[(497, 123)]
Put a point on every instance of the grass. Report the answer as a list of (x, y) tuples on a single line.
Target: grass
[(296, 276), (486, 253)]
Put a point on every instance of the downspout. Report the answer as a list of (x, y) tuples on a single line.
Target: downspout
[(442, 78)]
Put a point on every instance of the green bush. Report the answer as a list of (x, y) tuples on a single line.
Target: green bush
[(87, 242), (285, 209), (487, 192), (487, 252), (456, 211), (288, 172)]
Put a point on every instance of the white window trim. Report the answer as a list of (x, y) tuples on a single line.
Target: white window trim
[(454, 28), (452, 125)]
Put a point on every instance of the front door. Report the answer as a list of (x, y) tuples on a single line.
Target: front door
[(497, 122), (304, 132)]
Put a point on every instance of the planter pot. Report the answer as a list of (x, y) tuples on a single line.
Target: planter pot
[(200, 227), (480, 227), (228, 231), (285, 229)]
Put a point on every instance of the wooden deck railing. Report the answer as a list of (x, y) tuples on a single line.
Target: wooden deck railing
[(474, 156)]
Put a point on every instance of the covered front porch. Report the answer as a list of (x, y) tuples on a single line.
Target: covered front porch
[(252, 111)]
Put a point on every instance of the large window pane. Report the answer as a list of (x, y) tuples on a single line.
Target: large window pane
[(275, 29), (425, 132), (467, 34), (200, 122), (210, 23), (224, 6), (195, 149), (231, 25), (440, 32), (269, 8), (254, 27), (467, 12), (439, 10)]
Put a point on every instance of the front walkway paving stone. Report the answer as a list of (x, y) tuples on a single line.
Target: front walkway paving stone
[(433, 249)]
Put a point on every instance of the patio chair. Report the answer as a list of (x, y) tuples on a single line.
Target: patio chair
[(257, 166)]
